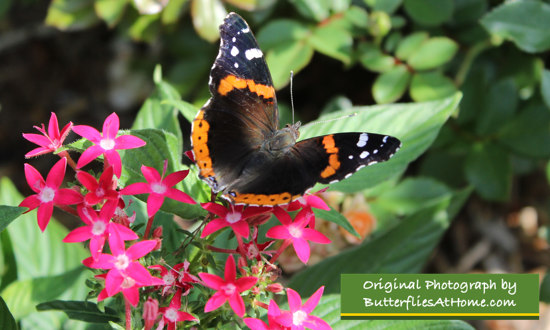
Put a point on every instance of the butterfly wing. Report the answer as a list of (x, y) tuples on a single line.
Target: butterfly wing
[(324, 159), (242, 111)]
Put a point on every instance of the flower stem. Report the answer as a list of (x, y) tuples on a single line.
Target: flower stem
[(217, 249), (70, 161), (280, 250), (128, 314)]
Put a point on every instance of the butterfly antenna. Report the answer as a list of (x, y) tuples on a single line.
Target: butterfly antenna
[(329, 120), (292, 95)]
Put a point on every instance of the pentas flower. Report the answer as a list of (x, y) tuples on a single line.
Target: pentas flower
[(49, 141), (234, 216), (98, 227), (100, 190), (106, 143), (178, 276), (228, 288), (172, 314), (125, 274), (48, 192), (299, 317), (296, 232), (309, 202), (120, 215), (273, 312), (254, 250), (158, 187)]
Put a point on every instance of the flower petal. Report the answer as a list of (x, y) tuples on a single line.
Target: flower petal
[(212, 281), (88, 155), (241, 228), (217, 209), (113, 281), (67, 196), (111, 126), (173, 178), (38, 152), (136, 189), (315, 236), (79, 234), (132, 295), (283, 217), (154, 202), (30, 202), (294, 300), (125, 233), (41, 140), (150, 174), (237, 304), (229, 273), (113, 159), (87, 132), (128, 142), (87, 180), (255, 324), (139, 273), (213, 226), (179, 195), (302, 249), (140, 249), (278, 232), (44, 213), (217, 300), (313, 301), (317, 202), (34, 178), (245, 283)]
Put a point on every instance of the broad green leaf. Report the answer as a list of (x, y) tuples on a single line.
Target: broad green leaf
[(527, 132), (354, 20), (7, 322), (545, 87), (207, 16), (23, 295), (545, 289), (187, 110), (173, 11), (403, 249), (71, 15), (389, 6), (372, 58), (468, 11), (410, 44), (317, 10), (488, 169), (333, 42), (80, 310), (391, 85), (433, 53), (111, 11), (8, 214), (337, 218), (416, 125), (431, 86), (280, 32), (526, 23), (338, 6), (501, 101), (145, 28), (429, 12)]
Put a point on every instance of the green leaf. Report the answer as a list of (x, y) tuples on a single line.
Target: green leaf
[(173, 11), (111, 11), (500, 104), (428, 12), (23, 295), (80, 310), (545, 289), (332, 41), (408, 45), (433, 53), (337, 218), (526, 23), (7, 322), (8, 214), (527, 132), (416, 125), (187, 110), (71, 15), (391, 85), (469, 11), (372, 58), (317, 10), (207, 16), (403, 249), (145, 28), (388, 6), (545, 87), (488, 169), (429, 86)]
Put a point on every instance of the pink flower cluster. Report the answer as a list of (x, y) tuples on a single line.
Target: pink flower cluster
[(119, 254)]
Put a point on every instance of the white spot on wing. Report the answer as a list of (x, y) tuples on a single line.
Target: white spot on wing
[(234, 51), (234, 39), (385, 139), (253, 53), (364, 154), (245, 30), (363, 138), (348, 175), (375, 151), (236, 65), (350, 157)]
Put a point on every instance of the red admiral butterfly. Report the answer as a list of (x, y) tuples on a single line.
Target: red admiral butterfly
[(239, 147)]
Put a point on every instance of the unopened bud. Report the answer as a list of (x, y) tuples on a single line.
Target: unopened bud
[(150, 312), (275, 287)]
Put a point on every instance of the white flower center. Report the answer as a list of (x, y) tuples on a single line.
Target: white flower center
[(122, 262), (107, 144), (252, 251), (171, 314), (295, 231), (233, 217), (169, 279), (100, 192), (128, 283), (158, 188), (98, 228), (47, 195), (229, 289), (298, 317)]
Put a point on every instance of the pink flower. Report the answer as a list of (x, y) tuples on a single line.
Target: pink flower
[(125, 274), (309, 202), (273, 312), (172, 314), (253, 250), (228, 288), (178, 276), (48, 192), (298, 317), (98, 191), (233, 217), (296, 232), (158, 187), (50, 141), (98, 228), (121, 216), (106, 143)]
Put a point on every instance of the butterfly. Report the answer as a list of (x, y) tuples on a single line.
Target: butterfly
[(238, 146)]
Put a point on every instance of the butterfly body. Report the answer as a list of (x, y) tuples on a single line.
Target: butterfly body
[(237, 143)]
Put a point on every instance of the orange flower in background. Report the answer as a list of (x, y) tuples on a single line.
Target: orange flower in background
[(356, 210)]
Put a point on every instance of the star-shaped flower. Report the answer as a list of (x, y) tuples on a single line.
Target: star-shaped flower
[(100, 190), (48, 192), (158, 187), (299, 317), (234, 216), (172, 314), (296, 232), (106, 143), (49, 141), (228, 288)]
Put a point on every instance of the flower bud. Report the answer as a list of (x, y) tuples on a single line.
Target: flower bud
[(275, 287), (150, 312)]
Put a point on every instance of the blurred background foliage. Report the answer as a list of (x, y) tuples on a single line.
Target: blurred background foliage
[(86, 58)]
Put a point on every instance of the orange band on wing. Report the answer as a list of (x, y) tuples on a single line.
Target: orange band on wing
[(261, 199), (333, 162), (199, 137), (231, 82)]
